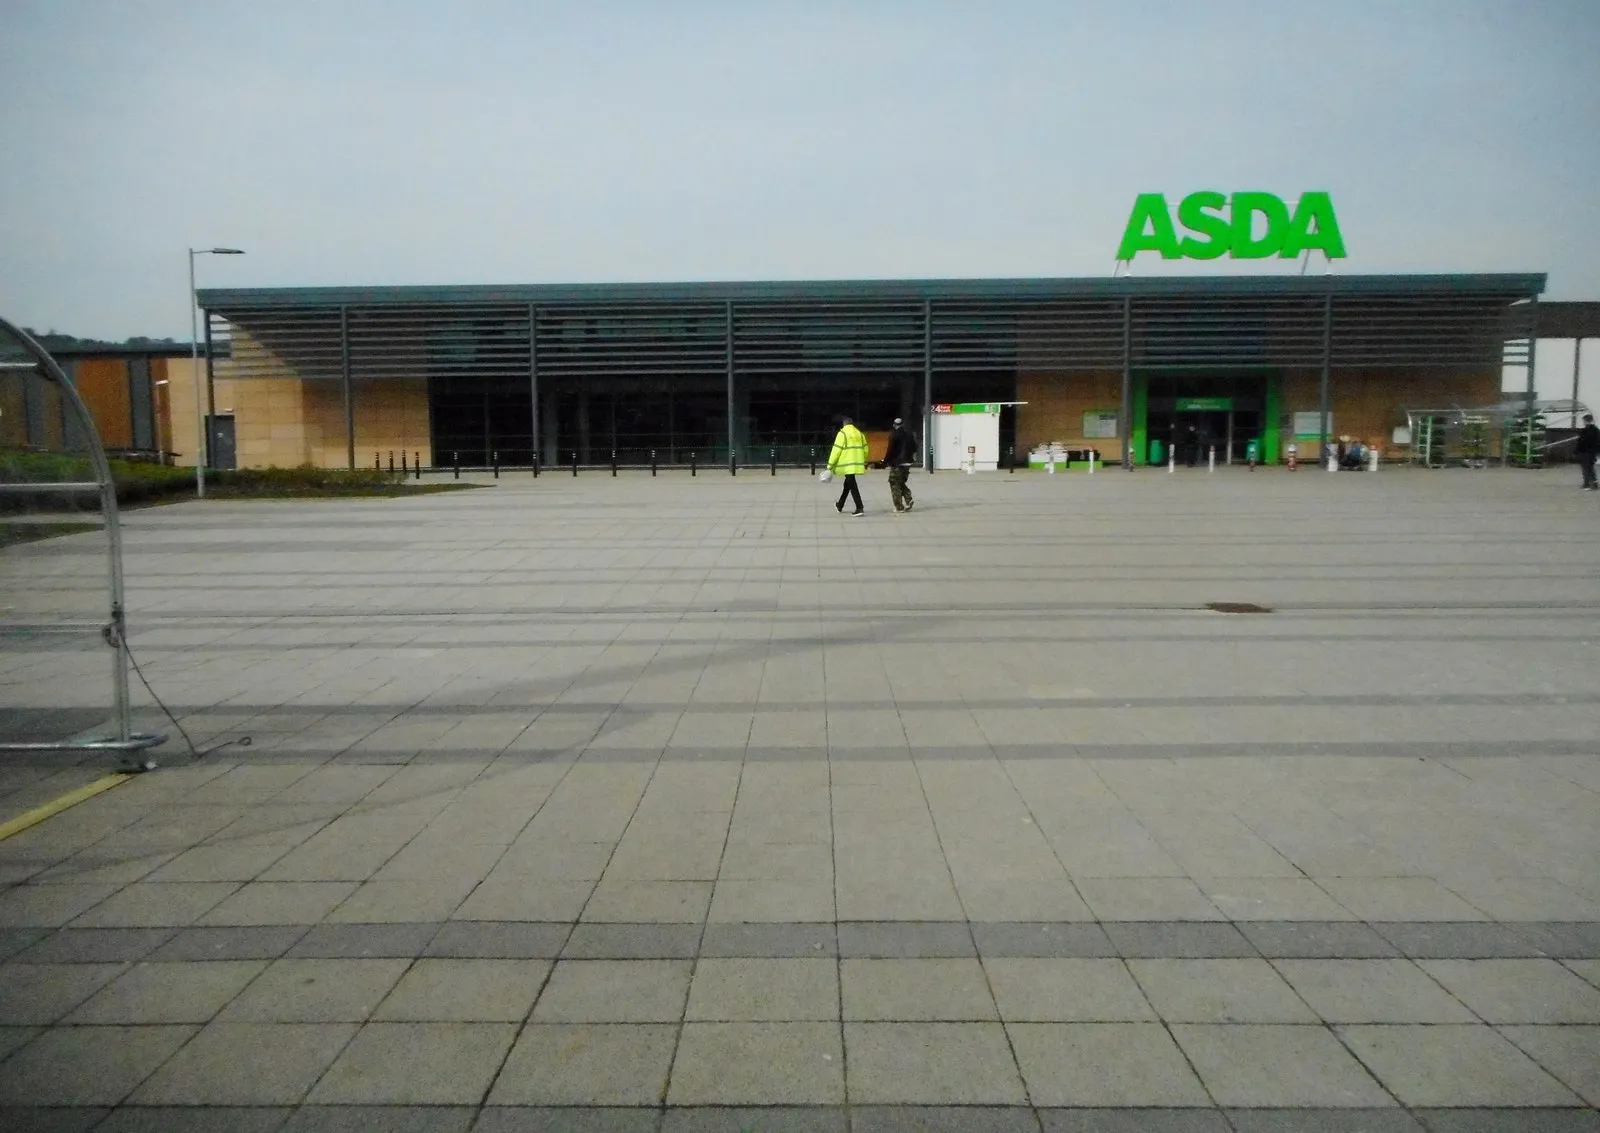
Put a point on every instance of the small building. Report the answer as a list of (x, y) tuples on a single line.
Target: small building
[(126, 390)]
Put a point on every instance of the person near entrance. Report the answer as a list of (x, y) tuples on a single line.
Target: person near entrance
[(900, 456), (1588, 449), (848, 459)]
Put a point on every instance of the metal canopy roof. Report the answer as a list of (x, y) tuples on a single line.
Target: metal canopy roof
[(1569, 320), (1510, 285)]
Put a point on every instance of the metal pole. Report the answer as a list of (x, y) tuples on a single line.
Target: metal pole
[(1533, 345), (1125, 412), (199, 413), (533, 378), (728, 347), (344, 379), (1323, 392), (211, 395), (927, 384), (1577, 356)]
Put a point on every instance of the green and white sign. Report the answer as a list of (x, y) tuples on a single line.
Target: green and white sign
[(1204, 404), (968, 407), (1100, 424), (1245, 226)]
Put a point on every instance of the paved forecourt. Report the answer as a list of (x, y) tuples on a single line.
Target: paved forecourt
[(671, 803)]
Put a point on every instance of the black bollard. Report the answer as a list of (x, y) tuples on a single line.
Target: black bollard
[(613, 462), (495, 459), (574, 462), (535, 466), (455, 461), (652, 462), (813, 462), (774, 462), (417, 464), (391, 461), (404, 469), (1011, 459), (377, 463), (691, 464), (733, 463)]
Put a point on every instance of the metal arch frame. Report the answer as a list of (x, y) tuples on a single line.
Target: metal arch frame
[(126, 741)]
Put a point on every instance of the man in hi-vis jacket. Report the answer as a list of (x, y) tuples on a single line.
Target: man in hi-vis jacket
[(849, 460)]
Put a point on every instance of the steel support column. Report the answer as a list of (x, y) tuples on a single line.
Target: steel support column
[(344, 381), (728, 351), (533, 379), (1577, 361), (927, 385), (1125, 414), (1533, 348), (1324, 407), (211, 393)]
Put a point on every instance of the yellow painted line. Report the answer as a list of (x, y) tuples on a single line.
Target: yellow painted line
[(55, 806)]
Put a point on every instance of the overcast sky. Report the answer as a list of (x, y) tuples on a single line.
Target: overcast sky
[(370, 142)]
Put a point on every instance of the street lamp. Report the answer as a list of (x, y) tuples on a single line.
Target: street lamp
[(202, 447)]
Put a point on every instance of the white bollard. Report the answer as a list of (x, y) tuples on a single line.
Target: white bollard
[(1050, 464), (1333, 462), (1091, 462), (1172, 461), (1211, 459), (1372, 460)]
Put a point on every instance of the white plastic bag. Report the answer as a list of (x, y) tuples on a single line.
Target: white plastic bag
[(825, 475)]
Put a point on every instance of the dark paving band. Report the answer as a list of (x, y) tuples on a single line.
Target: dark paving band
[(1463, 940), (800, 1119)]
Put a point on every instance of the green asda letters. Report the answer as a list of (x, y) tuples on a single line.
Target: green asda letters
[(1220, 226)]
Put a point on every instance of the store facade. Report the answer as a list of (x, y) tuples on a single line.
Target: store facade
[(709, 372)]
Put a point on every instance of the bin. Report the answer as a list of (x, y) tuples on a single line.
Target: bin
[(1158, 452), (1252, 451)]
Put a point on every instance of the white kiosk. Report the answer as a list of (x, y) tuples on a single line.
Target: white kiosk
[(966, 436)]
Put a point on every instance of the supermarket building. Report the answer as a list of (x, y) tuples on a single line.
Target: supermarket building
[(344, 377)]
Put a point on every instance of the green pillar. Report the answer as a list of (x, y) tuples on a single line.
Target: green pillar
[(1141, 414), (1270, 417)]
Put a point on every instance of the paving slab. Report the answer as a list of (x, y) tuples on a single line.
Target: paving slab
[(931, 1064), (416, 1064), (1104, 1064), (779, 1063), (87, 1066), (1454, 1066), (286, 1060), (615, 991), (585, 1065)]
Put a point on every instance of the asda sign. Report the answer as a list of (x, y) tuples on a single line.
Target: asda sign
[(1245, 226)]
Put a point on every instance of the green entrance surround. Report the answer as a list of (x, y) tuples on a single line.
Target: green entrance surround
[(1141, 413), (1269, 419)]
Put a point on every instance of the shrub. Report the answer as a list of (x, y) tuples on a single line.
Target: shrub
[(144, 482)]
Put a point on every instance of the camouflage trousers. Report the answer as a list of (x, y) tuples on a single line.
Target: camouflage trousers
[(899, 490)]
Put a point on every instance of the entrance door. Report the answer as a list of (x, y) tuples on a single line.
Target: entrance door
[(224, 449), (1187, 414)]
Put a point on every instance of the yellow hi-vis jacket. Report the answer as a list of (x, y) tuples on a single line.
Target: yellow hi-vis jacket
[(849, 455)]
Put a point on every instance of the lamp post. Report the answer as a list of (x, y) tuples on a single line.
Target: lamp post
[(202, 447)]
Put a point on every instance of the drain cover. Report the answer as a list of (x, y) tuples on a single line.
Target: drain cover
[(1237, 608)]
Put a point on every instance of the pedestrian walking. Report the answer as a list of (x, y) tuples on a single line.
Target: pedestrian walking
[(1588, 450), (848, 459), (901, 455)]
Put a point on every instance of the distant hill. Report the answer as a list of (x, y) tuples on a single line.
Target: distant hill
[(54, 340)]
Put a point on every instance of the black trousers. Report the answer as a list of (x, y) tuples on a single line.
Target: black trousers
[(1586, 462), (849, 491)]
